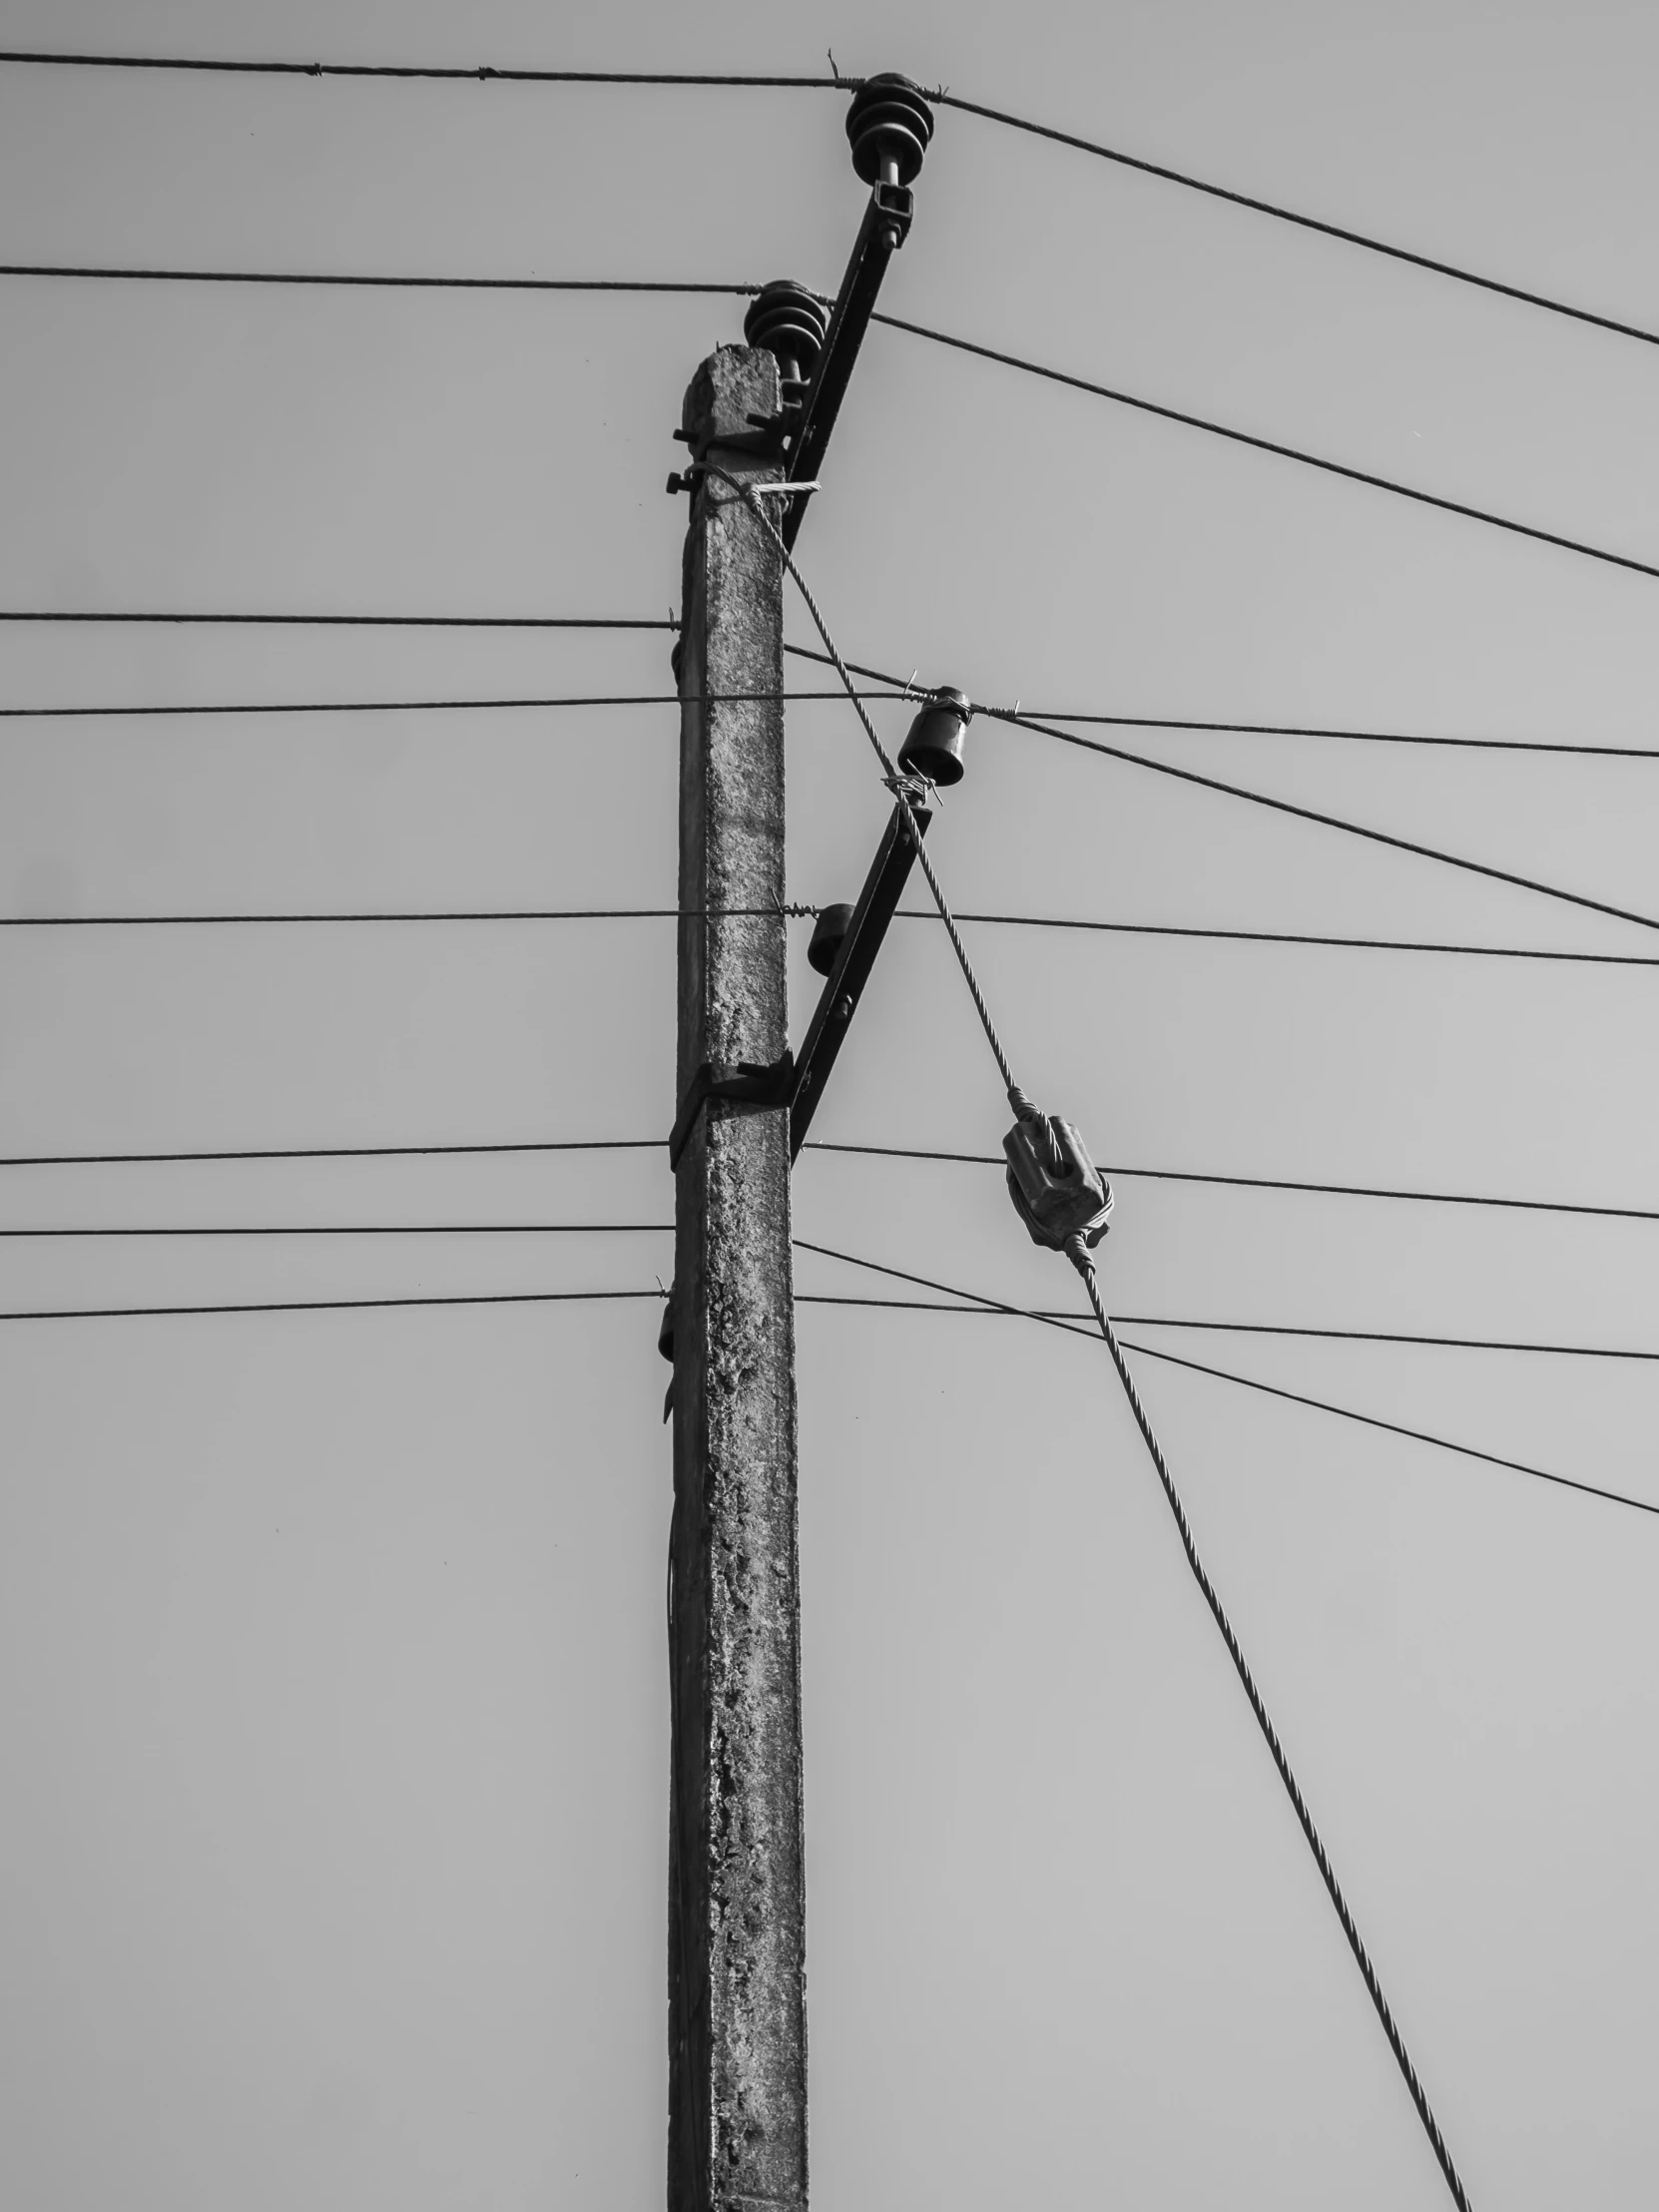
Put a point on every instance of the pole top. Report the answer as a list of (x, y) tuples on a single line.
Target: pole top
[(888, 125)]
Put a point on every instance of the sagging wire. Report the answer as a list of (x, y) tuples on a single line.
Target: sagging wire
[(1065, 1205)]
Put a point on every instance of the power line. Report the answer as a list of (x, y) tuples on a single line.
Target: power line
[(336, 622), (676, 698), (1266, 1183), (485, 74), (322, 1305), (1078, 1327), (1330, 821), (373, 1229), (435, 72), (532, 1145), (1354, 737), (333, 1152), (1274, 446), (1290, 215), (372, 279), (799, 910), (1296, 937), (420, 706)]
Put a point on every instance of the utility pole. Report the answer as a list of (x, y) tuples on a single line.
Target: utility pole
[(758, 415), (736, 1887)]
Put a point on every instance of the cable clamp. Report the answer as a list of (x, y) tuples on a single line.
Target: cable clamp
[(1057, 1189), (734, 1083)]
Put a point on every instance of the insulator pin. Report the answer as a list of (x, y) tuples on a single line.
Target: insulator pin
[(1056, 1202)]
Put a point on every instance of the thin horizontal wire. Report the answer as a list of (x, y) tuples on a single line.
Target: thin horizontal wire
[(482, 74), (1303, 221), (322, 1305), (378, 281), (1275, 1329), (1353, 737), (349, 622), (800, 910), (815, 1144), (425, 706), (332, 1152), (370, 1229), (714, 698), (1280, 452), (791, 910), (1224, 1375), (1298, 938), (1266, 1183), (1331, 821)]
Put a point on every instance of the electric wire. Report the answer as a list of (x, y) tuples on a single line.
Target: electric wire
[(419, 706), (370, 280), (116, 711), (261, 619), (332, 1152), (939, 97), (1290, 215), (1276, 448), (322, 1305), (1288, 807), (1028, 1113), (1264, 1183), (478, 74), (533, 1144), (1324, 820), (1077, 1324), (366, 1228), (799, 911)]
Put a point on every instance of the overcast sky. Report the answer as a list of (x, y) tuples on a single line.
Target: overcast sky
[(332, 1694)]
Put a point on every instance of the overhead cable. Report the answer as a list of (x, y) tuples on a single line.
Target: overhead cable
[(372, 279), (798, 909), (1276, 448), (322, 1305), (1290, 215), (368, 1229), (1079, 1326), (1261, 1183), (419, 706), (532, 1145), (940, 97), (477, 74), (118, 710), (338, 622)]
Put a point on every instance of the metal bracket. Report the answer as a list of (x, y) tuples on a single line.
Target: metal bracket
[(736, 1083), (838, 1002), (883, 231)]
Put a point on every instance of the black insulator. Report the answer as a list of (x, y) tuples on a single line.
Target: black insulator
[(933, 747), (888, 120), (677, 661), (788, 321), (829, 935), (665, 1335)]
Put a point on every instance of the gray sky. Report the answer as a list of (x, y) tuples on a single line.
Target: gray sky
[(333, 1705)]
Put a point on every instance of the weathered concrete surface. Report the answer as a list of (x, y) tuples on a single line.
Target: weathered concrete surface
[(737, 1898)]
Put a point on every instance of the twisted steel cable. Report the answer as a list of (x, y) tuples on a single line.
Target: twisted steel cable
[(1079, 1257)]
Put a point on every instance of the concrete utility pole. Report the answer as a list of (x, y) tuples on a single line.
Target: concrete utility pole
[(736, 1891), (761, 414)]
